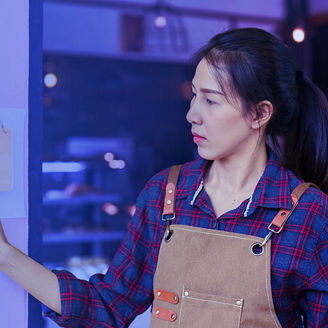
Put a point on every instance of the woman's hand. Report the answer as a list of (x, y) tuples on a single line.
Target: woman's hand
[(32, 276)]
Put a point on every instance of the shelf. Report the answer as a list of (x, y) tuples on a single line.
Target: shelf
[(81, 237), (58, 197)]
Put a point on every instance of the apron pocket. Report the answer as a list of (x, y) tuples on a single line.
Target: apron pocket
[(210, 311)]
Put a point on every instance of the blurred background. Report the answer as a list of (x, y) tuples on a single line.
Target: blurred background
[(116, 92)]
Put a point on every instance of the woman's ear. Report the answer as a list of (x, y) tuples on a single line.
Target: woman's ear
[(262, 115)]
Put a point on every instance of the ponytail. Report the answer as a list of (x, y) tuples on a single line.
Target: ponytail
[(306, 143)]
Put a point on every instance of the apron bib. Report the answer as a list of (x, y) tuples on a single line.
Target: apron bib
[(211, 279)]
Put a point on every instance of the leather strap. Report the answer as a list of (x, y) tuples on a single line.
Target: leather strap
[(169, 200), (280, 219), (275, 226), (164, 314), (166, 296)]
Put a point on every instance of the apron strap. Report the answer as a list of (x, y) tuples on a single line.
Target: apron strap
[(281, 218), (169, 201), (170, 190), (275, 226)]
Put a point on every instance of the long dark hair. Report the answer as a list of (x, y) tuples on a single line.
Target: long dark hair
[(258, 67)]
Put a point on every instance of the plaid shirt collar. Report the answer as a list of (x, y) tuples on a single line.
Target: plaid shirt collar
[(272, 190)]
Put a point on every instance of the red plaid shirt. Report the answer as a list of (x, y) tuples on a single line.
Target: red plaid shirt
[(299, 253)]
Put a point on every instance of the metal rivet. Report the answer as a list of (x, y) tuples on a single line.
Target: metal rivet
[(172, 316), (257, 249), (157, 312), (239, 303), (159, 293), (169, 201), (186, 293), (170, 191)]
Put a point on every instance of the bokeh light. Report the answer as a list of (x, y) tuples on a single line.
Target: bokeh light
[(50, 80), (298, 34), (116, 164), (186, 90), (109, 157), (160, 21), (110, 209)]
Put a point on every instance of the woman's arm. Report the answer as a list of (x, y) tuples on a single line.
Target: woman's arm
[(32, 276), (126, 290), (110, 300)]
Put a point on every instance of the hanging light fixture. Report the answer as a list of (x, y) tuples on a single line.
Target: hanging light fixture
[(165, 30)]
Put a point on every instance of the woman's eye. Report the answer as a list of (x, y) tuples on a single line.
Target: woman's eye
[(193, 94), (210, 102)]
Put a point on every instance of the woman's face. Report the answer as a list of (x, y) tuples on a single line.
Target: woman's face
[(218, 127)]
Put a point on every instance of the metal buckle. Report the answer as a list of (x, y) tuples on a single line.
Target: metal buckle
[(168, 232), (168, 219), (272, 229)]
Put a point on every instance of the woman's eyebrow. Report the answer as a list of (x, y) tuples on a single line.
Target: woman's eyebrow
[(206, 90), (211, 91)]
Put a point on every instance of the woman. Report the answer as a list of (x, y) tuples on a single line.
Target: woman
[(210, 259)]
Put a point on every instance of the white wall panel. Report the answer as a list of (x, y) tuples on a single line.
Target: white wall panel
[(14, 61)]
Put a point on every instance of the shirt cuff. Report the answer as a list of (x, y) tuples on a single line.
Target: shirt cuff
[(65, 280)]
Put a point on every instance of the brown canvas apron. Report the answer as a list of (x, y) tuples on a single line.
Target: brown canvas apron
[(208, 278)]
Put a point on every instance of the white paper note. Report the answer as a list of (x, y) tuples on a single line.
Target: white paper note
[(12, 188), (6, 159)]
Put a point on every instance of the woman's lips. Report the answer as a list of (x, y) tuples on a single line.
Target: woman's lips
[(197, 138)]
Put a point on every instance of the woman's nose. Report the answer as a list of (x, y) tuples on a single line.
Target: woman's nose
[(193, 116)]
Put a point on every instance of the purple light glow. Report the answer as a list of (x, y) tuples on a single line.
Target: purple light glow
[(160, 21)]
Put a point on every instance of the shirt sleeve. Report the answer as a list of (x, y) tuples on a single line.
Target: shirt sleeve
[(126, 290), (314, 298)]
